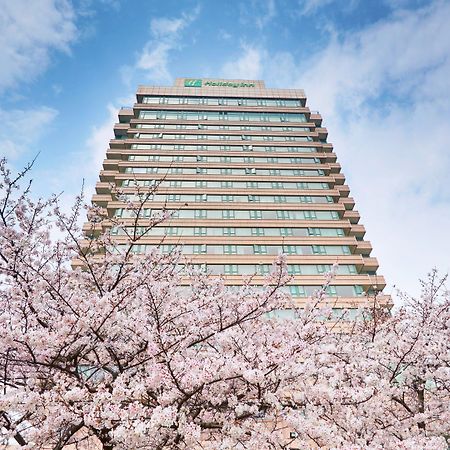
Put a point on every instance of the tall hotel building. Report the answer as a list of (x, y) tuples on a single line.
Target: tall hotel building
[(248, 173)]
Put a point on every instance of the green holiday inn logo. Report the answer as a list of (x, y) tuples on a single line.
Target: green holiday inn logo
[(192, 83), (198, 83)]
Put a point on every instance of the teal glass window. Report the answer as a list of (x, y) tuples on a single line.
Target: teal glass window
[(260, 250), (201, 198), (229, 231), (294, 269), (255, 214), (172, 231), (199, 231), (319, 250), (231, 269), (284, 215), (229, 249), (257, 231), (199, 249), (290, 249), (200, 214), (286, 232), (297, 291), (228, 214)]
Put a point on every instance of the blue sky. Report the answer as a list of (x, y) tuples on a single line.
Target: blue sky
[(378, 71)]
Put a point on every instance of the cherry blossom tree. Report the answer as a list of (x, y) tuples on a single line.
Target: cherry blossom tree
[(135, 352), (386, 381), (100, 348)]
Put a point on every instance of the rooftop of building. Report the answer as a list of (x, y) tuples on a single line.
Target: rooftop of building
[(220, 87)]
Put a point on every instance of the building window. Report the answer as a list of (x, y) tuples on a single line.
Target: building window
[(280, 199), (255, 214), (231, 269), (172, 231), (294, 269), (201, 198), (332, 291), (199, 249), (334, 215), (228, 214), (314, 232), (263, 269), (290, 249), (309, 215), (200, 214), (229, 231), (286, 232), (257, 231), (199, 231), (229, 249), (319, 250), (297, 291), (284, 215), (260, 250)]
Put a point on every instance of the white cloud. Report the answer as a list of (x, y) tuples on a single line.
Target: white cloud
[(163, 27), (21, 129), (397, 56), (267, 13), (257, 13), (153, 60), (246, 66), (225, 35), (30, 31), (394, 150), (89, 157), (309, 7), (384, 94), (99, 137)]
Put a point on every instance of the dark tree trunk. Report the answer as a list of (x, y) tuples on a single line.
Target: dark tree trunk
[(105, 439)]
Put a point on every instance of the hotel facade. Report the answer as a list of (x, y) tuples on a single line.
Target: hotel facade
[(246, 173)]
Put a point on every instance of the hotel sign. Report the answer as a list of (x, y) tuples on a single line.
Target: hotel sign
[(192, 82)]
